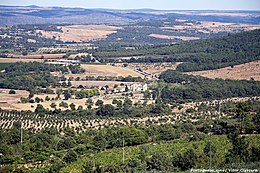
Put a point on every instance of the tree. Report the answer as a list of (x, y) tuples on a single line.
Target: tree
[(63, 104), (71, 156), (99, 103), (37, 100), (161, 162), (12, 92), (89, 167), (72, 106), (256, 120), (39, 109), (136, 165), (67, 95), (24, 100), (53, 105), (47, 98), (106, 110), (31, 95), (80, 107), (147, 94), (126, 88), (186, 160), (239, 152), (89, 102)]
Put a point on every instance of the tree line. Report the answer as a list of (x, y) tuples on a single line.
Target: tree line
[(182, 87)]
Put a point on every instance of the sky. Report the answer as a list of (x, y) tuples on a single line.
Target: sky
[(138, 4)]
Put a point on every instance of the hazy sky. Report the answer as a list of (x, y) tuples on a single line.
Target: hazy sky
[(137, 4)]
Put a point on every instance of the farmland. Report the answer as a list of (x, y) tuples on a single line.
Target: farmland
[(79, 33), (104, 70), (247, 71), (13, 60), (174, 37)]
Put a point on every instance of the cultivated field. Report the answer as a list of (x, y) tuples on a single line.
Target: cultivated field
[(7, 100), (173, 37), (13, 60), (104, 70), (40, 56), (247, 71), (79, 33)]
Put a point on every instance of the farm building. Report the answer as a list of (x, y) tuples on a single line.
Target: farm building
[(63, 62)]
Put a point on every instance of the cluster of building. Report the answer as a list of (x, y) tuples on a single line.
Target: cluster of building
[(63, 62), (135, 87)]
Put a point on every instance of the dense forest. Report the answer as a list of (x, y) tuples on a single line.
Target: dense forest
[(29, 75), (182, 87), (201, 55)]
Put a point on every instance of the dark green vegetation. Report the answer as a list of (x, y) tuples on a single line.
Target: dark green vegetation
[(172, 148), (4, 65), (75, 69), (181, 87), (29, 75), (125, 108), (86, 93), (200, 55), (138, 34)]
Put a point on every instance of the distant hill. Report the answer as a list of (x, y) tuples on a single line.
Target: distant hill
[(13, 15)]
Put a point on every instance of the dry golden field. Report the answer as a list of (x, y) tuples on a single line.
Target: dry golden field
[(96, 83), (173, 37), (79, 33), (13, 60), (40, 56), (247, 71), (7, 100), (104, 70)]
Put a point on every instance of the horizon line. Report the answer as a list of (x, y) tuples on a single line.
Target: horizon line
[(103, 8)]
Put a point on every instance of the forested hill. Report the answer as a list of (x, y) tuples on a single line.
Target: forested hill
[(182, 87), (204, 54)]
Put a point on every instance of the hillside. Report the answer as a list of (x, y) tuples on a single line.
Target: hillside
[(199, 55), (13, 15)]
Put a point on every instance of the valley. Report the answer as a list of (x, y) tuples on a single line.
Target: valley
[(109, 90)]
